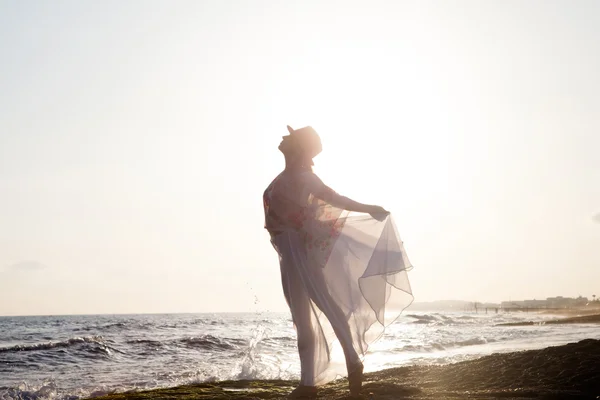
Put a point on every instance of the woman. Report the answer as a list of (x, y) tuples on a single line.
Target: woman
[(339, 272)]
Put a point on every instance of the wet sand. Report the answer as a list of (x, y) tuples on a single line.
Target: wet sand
[(571, 371)]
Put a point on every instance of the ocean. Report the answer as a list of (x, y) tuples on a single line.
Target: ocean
[(73, 357)]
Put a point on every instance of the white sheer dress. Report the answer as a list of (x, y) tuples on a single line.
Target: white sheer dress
[(344, 274)]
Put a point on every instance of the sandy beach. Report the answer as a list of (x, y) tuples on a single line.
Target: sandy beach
[(571, 371)]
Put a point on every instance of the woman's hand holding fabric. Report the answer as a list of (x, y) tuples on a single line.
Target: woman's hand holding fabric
[(379, 213)]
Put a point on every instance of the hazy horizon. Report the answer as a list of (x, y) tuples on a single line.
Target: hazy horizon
[(422, 305), (137, 137)]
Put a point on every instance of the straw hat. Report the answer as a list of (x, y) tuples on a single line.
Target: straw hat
[(307, 139)]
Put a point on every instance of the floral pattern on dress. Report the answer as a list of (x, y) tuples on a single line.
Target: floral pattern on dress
[(316, 220), (328, 227)]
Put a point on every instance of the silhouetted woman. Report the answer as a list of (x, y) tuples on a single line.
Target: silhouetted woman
[(343, 275)]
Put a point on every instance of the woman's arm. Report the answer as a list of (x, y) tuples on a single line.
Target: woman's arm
[(324, 192), (345, 203)]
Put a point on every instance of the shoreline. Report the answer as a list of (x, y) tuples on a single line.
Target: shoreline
[(569, 371), (581, 319), (573, 312)]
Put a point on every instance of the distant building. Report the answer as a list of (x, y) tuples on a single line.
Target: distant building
[(566, 302), (550, 302), (513, 304)]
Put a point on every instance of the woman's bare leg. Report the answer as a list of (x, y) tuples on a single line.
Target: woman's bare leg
[(319, 293), (299, 303)]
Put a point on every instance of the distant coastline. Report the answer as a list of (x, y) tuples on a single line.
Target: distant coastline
[(558, 305)]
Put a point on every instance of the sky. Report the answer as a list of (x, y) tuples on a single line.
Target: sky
[(137, 138)]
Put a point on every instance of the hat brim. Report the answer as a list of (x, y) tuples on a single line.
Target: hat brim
[(308, 140)]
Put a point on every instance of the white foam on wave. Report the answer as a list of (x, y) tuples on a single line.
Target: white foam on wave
[(98, 340), (50, 390)]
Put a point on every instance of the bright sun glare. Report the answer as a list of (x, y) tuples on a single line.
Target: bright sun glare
[(371, 131)]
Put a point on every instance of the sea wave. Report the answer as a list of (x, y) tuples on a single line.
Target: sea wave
[(122, 353), (136, 325), (95, 344), (207, 342), (441, 319), (433, 319), (211, 342), (444, 345), (50, 390)]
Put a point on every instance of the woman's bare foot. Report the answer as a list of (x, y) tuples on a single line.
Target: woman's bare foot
[(303, 392), (355, 379)]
